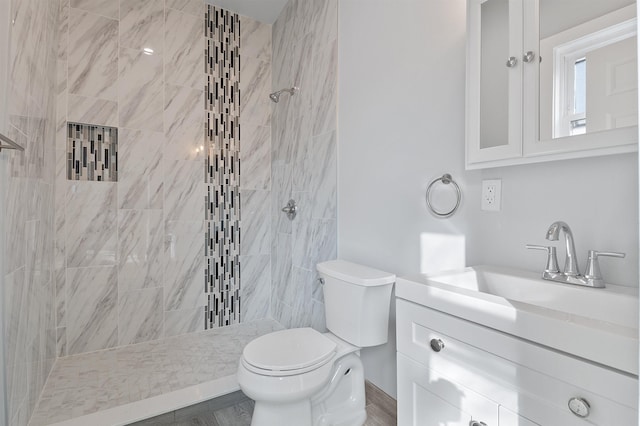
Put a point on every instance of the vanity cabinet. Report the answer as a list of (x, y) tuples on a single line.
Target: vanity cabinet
[(549, 80), (455, 372)]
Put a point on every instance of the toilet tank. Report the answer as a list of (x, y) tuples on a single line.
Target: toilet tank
[(356, 301)]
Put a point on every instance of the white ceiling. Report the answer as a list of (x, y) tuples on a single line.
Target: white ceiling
[(266, 11)]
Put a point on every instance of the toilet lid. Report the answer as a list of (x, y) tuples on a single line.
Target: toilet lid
[(294, 349)]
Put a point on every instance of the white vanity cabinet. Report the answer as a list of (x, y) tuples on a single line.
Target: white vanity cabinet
[(550, 80), (455, 372)]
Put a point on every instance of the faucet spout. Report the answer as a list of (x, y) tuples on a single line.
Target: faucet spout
[(571, 263)]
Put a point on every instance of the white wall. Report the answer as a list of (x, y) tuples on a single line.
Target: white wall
[(401, 124)]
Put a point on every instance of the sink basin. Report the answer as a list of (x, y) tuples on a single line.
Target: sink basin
[(600, 325)]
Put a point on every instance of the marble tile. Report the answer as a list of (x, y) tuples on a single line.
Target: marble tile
[(255, 86), (61, 341), (325, 21), (281, 269), (256, 39), (140, 90), (142, 24), (184, 41), (184, 190), (255, 207), (140, 173), (15, 313), (325, 88), (22, 51), (140, 252), (61, 119), (255, 154), (61, 296), (92, 309), (302, 281), (102, 7), (59, 200), (91, 237), (183, 321), (184, 117), (255, 291), (140, 316), (63, 43), (193, 7), (318, 316), (237, 415), (281, 312), (34, 150), (280, 194), (323, 167), (15, 211), (184, 265), (93, 54), (100, 112), (314, 241)]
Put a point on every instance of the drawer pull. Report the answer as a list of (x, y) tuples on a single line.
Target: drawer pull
[(437, 345), (477, 423), (580, 407)]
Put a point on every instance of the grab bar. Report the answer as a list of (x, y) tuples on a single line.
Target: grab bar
[(10, 144)]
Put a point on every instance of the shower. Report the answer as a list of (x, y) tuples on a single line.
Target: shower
[(275, 96)]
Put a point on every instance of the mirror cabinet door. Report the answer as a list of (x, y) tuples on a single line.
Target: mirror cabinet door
[(581, 94), (494, 93)]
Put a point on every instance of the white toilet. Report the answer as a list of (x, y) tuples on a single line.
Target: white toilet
[(303, 377)]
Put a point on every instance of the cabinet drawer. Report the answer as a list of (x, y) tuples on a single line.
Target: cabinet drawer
[(526, 378)]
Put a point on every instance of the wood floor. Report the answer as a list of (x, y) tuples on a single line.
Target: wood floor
[(236, 409)]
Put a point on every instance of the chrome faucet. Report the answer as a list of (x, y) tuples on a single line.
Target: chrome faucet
[(571, 274)]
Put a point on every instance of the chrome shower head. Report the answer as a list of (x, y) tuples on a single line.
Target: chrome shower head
[(275, 96)]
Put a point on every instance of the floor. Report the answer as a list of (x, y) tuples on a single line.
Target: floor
[(88, 383), (236, 410)]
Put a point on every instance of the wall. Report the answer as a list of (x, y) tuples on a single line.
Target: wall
[(130, 255), (303, 158), (395, 137), (29, 332)]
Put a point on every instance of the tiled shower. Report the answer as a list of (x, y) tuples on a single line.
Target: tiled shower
[(147, 203)]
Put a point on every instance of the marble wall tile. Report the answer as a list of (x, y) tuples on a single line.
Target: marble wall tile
[(140, 250), (59, 201), (92, 223), (61, 296), (99, 112), (325, 22), (184, 265), (325, 88), (255, 290), (184, 190), (15, 211), (183, 321), (281, 269), (93, 54), (255, 154), (34, 150), (314, 241), (255, 39), (255, 86), (22, 51), (107, 8), (323, 181), (142, 24), (280, 194), (184, 41), (255, 207), (183, 120), (140, 177), (193, 7), (92, 308), (281, 312), (140, 90), (140, 316), (15, 337), (302, 280), (61, 341)]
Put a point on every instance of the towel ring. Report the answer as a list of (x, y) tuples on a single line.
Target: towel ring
[(445, 179)]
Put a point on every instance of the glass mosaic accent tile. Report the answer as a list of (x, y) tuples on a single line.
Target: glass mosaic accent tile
[(92, 152)]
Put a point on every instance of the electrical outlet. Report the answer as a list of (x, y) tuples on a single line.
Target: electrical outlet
[(491, 195)]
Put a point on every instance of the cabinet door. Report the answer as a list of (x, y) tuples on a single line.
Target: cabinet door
[(509, 418), (427, 398), (494, 84)]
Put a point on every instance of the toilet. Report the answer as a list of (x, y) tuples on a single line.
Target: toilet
[(306, 378)]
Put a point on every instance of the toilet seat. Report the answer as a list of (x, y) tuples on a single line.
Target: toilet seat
[(288, 352)]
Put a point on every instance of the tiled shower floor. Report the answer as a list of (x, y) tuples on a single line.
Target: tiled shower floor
[(181, 370)]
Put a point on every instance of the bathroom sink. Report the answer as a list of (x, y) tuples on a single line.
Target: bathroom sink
[(600, 325)]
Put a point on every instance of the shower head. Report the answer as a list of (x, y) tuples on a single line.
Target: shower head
[(275, 96)]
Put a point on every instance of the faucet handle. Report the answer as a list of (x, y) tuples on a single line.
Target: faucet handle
[(593, 266), (552, 260)]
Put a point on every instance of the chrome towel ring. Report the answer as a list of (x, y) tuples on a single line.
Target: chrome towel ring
[(445, 179)]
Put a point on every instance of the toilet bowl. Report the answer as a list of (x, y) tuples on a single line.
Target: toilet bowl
[(306, 378)]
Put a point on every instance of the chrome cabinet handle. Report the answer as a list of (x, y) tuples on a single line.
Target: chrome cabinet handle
[(529, 57), (580, 407), (477, 423), (437, 345), (291, 209), (512, 62)]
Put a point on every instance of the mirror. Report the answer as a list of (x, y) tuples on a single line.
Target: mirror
[(588, 67)]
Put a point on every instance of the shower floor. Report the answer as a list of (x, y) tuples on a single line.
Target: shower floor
[(122, 385)]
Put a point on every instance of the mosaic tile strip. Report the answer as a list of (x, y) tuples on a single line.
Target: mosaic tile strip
[(222, 167), (92, 152)]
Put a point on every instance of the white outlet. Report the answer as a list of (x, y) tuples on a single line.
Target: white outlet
[(491, 195)]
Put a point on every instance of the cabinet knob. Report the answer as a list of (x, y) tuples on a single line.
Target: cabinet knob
[(529, 56), (580, 407), (512, 62), (437, 345), (477, 423)]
